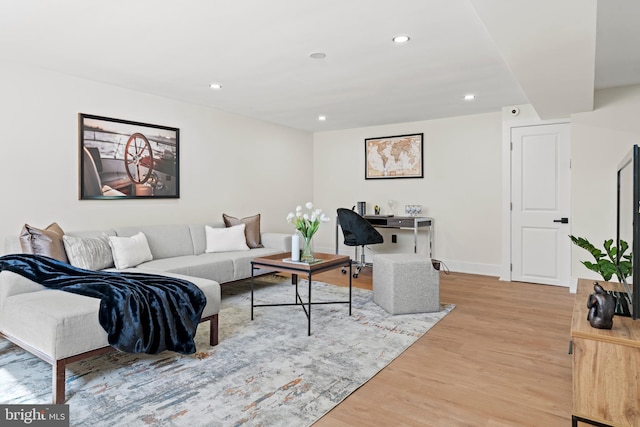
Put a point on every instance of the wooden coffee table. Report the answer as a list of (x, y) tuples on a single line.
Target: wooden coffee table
[(277, 263)]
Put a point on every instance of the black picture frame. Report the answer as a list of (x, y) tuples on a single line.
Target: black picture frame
[(123, 159), (393, 157)]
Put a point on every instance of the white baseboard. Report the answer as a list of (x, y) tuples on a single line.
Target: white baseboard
[(452, 265), (472, 268)]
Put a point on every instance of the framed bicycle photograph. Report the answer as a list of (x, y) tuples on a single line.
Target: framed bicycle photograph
[(122, 159)]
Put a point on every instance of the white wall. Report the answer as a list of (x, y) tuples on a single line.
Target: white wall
[(242, 166), (599, 140), (228, 163), (463, 175), (461, 188)]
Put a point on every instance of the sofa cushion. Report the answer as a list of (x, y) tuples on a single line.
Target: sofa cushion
[(129, 251), (91, 233), (12, 284), (165, 241), (280, 241), (62, 324), (47, 242), (211, 289), (226, 239), (57, 323), (91, 253), (251, 231), (214, 266), (242, 261)]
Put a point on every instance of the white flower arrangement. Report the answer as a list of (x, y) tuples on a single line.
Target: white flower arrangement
[(307, 223)]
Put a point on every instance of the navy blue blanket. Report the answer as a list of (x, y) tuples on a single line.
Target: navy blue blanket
[(142, 313)]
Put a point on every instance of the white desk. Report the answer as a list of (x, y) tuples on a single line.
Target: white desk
[(414, 223)]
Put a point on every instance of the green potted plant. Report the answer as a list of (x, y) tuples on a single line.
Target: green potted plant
[(606, 267)]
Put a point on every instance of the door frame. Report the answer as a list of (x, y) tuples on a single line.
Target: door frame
[(528, 118)]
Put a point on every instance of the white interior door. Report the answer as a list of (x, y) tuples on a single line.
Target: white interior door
[(540, 197)]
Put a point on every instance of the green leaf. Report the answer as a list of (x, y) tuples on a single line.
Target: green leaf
[(607, 268), (623, 246), (607, 245), (591, 266), (585, 244), (626, 266)]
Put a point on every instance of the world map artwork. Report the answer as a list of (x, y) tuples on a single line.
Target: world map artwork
[(394, 157)]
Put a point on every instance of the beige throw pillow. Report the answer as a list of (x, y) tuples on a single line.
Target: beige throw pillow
[(251, 231), (47, 242)]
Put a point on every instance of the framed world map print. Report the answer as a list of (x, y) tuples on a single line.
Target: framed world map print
[(394, 157)]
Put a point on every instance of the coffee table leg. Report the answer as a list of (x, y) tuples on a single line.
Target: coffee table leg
[(350, 276), (294, 281), (309, 317), (252, 292)]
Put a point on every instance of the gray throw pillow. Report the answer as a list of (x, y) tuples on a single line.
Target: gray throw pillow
[(90, 253)]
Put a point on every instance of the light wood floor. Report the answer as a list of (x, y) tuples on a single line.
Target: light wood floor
[(500, 358)]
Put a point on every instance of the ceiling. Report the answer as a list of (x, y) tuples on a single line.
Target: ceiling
[(548, 53)]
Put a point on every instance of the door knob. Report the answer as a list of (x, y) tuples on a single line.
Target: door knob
[(562, 220)]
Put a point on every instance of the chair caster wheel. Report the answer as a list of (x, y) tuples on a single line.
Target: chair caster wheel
[(355, 275), (344, 270)]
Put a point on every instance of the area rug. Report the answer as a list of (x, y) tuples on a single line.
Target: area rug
[(265, 372)]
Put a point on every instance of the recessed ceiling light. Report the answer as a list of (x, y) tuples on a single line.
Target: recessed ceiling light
[(401, 38), (318, 55), (215, 86), (322, 118), (469, 97)]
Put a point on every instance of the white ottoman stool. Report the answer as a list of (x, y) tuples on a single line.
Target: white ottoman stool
[(405, 283)]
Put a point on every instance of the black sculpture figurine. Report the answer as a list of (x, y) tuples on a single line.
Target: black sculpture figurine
[(601, 308)]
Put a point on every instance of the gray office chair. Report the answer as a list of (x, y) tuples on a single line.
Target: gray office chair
[(357, 231)]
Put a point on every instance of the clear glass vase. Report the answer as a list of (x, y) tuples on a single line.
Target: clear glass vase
[(307, 251)]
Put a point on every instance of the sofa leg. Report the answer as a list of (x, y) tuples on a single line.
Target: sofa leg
[(213, 330), (58, 382)]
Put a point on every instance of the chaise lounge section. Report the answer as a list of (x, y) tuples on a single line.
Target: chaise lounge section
[(61, 327)]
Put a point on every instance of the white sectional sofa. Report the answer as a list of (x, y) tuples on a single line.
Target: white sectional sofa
[(62, 327)]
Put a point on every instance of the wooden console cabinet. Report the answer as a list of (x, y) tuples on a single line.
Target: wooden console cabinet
[(606, 366)]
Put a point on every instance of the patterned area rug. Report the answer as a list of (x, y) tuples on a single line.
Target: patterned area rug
[(265, 372)]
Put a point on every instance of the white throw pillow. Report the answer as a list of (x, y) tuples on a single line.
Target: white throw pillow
[(130, 251), (226, 239), (90, 253)]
